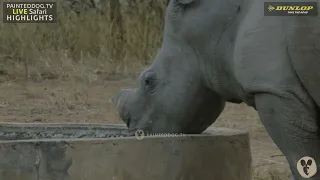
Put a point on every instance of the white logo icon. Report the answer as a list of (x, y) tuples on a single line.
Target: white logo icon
[(139, 134), (307, 167)]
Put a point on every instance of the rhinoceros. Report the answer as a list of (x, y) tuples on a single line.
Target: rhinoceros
[(218, 51)]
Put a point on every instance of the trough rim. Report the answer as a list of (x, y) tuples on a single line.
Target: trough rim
[(211, 131)]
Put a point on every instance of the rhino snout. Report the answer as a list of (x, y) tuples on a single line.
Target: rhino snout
[(119, 98)]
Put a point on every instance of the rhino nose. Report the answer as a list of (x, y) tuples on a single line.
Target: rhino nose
[(115, 98), (119, 98)]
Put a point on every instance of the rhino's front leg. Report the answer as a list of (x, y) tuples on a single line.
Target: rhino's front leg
[(292, 124)]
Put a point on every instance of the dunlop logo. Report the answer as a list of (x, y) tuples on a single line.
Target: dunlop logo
[(290, 9)]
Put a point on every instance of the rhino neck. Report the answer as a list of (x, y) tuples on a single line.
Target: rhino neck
[(218, 75), (217, 63)]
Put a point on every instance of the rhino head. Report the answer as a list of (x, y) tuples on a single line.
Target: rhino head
[(174, 94)]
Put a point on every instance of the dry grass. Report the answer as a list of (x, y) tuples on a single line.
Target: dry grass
[(109, 39), (270, 174)]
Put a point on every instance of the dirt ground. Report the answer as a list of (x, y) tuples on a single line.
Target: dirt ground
[(56, 101)]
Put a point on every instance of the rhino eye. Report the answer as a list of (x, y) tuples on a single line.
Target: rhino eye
[(147, 82), (149, 85)]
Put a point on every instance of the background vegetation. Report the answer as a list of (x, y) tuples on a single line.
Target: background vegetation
[(91, 38)]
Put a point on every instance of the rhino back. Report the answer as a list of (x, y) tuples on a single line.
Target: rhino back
[(275, 54)]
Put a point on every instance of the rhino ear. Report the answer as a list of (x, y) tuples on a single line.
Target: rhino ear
[(185, 1)]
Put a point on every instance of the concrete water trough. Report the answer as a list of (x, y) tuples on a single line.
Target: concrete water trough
[(98, 152)]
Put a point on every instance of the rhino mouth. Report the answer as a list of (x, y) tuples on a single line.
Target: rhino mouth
[(131, 133), (125, 117)]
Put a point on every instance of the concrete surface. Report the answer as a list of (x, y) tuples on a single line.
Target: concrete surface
[(33, 152)]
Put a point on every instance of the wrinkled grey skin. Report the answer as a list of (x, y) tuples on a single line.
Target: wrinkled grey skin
[(217, 51)]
